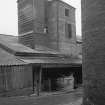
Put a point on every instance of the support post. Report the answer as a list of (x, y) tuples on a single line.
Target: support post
[(49, 83), (37, 89), (39, 81), (33, 79), (40, 78)]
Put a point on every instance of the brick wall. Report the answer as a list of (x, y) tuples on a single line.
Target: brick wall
[(31, 19), (67, 44), (56, 26), (93, 17), (52, 23), (25, 16), (51, 15)]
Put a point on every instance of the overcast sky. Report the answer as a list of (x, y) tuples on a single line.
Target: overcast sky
[(8, 16)]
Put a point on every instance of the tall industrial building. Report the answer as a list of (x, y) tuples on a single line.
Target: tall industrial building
[(44, 57), (47, 24)]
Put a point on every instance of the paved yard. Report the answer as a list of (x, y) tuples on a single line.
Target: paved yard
[(72, 98)]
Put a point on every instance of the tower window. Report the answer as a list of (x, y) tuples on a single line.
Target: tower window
[(66, 12), (68, 30)]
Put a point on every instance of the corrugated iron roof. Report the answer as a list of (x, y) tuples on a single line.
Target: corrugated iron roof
[(9, 59), (10, 44), (9, 38)]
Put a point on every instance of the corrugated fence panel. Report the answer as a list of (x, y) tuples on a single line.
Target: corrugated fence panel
[(15, 77), (1, 79), (21, 77), (27, 76)]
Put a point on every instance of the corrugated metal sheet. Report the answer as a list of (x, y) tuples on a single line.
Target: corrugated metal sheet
[(9, 59), (16, 47), (53, 60)]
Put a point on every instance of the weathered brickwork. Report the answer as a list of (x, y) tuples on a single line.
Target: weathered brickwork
[(31, 16), (27, 40), (93, 23), (25, 16), (56, 26), (49, 17)]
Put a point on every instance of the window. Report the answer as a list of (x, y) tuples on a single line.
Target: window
[(66, 12), (68, 30)]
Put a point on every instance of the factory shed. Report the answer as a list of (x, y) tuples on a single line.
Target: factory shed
[(22, 67)]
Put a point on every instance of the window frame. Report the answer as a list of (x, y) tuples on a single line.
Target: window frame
[(68, 30), (66, 12)]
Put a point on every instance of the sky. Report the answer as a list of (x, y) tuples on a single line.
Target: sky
[(9, 18)]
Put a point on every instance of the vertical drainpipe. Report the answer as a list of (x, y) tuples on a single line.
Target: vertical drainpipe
[(40, 78), (18, 22), (18, 14), (33, 79), (33, 9), (57, 25)]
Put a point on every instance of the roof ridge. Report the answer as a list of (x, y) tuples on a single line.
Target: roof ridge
[(8, 35)]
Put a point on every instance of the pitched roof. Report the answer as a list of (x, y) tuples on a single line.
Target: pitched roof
[(9, 59), (9, 38), (10, 44), (62, 1)]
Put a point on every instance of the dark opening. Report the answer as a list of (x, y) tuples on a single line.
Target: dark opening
[(66, 12), (68, 30), (52, 76)]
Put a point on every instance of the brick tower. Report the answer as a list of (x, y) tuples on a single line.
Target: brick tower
[(31, 21), (45, 24)]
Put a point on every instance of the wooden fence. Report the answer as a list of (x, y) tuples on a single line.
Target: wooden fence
[(15, 77)]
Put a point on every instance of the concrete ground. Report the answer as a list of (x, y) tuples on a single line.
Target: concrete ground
[(61, 98)]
